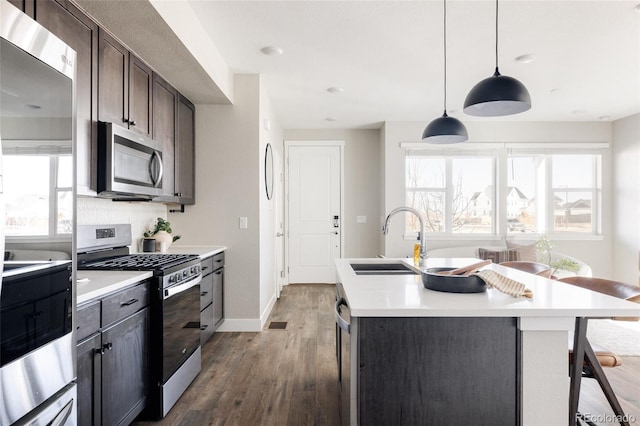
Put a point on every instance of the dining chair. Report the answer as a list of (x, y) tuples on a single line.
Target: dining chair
[(534, 268), (595, 357)]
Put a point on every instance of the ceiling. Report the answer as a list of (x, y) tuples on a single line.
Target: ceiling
[(387, 56)]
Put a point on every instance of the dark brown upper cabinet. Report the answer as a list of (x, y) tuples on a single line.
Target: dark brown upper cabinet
[(165, 99), (185, 152), (124, 86), (76, 29)]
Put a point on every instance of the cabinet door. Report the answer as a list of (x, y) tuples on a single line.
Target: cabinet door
[(89, 381), (218, 297), (73, 27), (185, 152), (125, 369), (164, 129), (113, 80), (140, 87)]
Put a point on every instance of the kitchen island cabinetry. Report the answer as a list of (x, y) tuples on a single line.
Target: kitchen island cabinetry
[(125, 86), (211, 301), (410, 355), (113, 356)]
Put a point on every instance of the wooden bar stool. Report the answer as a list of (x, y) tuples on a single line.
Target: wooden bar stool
[(594, 357), (534, 268)]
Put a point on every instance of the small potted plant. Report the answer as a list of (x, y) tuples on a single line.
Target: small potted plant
[(162, 233)]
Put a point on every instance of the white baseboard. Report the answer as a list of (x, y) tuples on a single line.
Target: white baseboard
[(248, 324), (232, 325)]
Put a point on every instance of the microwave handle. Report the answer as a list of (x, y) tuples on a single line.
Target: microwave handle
[(156, 159)]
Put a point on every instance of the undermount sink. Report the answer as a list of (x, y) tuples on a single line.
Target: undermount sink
[(382, 269)]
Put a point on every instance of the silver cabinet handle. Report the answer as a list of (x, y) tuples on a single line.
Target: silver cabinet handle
[(341, 322)]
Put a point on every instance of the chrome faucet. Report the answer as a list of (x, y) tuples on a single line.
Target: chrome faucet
[(423, 245)]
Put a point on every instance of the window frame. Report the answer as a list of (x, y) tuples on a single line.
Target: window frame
[(501, 152)]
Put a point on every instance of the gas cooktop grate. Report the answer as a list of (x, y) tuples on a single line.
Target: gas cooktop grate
[(139, 262)]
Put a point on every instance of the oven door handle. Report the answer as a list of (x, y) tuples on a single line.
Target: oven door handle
[(172, 291)]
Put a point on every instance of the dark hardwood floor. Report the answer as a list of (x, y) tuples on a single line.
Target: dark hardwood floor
[(289, 377), (277, 377)]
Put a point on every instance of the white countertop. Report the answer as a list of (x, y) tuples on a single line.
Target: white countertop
[(93, 284), (405, 295)]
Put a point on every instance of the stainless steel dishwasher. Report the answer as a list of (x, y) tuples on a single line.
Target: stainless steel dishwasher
[(344, 327)]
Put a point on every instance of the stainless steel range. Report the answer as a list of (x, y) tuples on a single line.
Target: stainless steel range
[(175, 307)]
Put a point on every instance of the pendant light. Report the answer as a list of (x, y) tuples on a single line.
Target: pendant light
[(497, 95), (445, 129)]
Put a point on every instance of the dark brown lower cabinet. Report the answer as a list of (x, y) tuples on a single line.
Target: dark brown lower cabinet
[(434, 371), (113, 364), (212, 295)]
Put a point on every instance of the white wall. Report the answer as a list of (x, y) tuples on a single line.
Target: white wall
[(626, 196), (597, 253), (361, 185), (227, 188)]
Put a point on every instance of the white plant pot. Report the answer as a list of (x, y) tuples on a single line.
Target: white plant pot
[(163, 240)]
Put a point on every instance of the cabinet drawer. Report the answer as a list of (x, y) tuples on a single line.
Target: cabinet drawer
[(206, 324), (87, 320), (124, 303), (207, 266), (206, 291), (218, 261)]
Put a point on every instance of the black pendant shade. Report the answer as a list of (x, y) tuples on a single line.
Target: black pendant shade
[(497, 95), (445, 130)]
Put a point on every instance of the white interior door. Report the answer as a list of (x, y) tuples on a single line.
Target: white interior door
[(314, 212), (279, 225)]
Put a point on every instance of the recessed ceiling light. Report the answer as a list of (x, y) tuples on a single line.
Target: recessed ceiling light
[(335, 90), (579, 111), (557, 89), (331, 119), (453, 111), (525, 59), (604, 117), (272, 50)]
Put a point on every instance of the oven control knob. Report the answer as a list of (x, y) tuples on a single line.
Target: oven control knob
[(172, 279), (185, 273)]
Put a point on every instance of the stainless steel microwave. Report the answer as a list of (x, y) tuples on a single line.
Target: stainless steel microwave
[(129, 164)]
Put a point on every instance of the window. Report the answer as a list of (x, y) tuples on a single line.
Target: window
[(454, 194), (38, 195), (551, 191)]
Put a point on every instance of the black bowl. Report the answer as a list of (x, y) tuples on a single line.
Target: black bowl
[(452, 283)]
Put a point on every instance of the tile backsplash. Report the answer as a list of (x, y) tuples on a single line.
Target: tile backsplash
[(100, 211)]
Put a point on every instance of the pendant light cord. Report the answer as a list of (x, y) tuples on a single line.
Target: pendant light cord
[(496, 35), (445, 57)]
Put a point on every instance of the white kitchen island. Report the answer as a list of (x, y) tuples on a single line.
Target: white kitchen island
[(541, 325)]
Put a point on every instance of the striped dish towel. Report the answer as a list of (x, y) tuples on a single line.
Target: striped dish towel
[(504, 284)]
